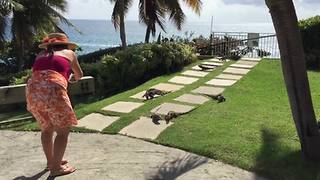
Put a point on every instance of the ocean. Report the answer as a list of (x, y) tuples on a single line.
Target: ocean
[(100, 34)]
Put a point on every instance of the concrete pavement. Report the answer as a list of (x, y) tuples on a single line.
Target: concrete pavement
[(113, 157)]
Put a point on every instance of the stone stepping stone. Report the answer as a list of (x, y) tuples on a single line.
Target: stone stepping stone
[(238, 71), (162, 87), (199, 69), (195, 73), (183, 80), (221, 82), (192, 99), (122, 107), (245, 66), (215, 60), (144, 128), (207, 90), (212, 64), (96, 121), (251, 59), (166, 107), (247, 62), (229, 76)]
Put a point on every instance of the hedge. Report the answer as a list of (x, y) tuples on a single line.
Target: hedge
[(137, 64), (310, 33)]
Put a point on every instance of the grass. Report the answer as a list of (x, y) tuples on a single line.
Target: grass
[(253, 129)]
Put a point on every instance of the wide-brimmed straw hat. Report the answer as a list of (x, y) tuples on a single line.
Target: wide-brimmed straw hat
[(57, 39)]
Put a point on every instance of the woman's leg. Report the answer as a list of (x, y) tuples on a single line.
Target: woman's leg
[(47, 144), (60, 144), (59, 147)]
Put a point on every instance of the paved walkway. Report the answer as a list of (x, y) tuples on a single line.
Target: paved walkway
[(110, 157)]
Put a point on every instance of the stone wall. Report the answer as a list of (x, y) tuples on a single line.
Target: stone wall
[(16, 94)]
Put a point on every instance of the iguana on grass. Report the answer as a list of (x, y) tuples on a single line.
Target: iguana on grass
[(220, 98)]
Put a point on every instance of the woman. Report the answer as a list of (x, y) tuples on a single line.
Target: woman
[(48, 101)]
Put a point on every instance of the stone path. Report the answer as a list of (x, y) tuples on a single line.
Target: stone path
[(162, 87), (145, 123), (122, 107), (167, 107), (96, 121), (110, 157), (195, 73), (192, 99), (183, 80), (143, 127)]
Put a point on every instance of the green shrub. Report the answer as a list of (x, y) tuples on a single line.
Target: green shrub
[(21, 77), (137, 64), (310, 33)]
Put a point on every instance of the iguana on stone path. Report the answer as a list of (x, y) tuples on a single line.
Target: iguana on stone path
[(150, 93)]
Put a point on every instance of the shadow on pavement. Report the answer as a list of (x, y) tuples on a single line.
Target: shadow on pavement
[(34, 177), (170, 170)]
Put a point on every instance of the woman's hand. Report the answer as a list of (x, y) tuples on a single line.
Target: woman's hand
[(72, 79)]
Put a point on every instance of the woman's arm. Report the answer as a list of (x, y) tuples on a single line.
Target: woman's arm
[(75, 66)]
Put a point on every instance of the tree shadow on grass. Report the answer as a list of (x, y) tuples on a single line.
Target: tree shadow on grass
[(170, 170), (277, 161), (34, 177)]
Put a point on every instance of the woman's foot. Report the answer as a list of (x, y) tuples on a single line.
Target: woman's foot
[(63, 170), (63, 162)]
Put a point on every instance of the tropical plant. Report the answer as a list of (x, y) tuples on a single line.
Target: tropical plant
[(30, 18), (152, 12), (310, 29), (295, 75), (119, 11)]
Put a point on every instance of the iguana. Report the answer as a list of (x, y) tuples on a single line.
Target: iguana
[(220, 98), (168, 117), (150, 93), (203, 67)]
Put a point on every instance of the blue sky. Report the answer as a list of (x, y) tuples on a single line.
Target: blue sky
[(223, 11)]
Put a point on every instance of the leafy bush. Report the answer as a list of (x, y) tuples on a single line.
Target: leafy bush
[(21, 77), (137, 64), (310, 33)]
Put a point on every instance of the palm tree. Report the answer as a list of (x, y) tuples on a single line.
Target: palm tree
[(152, 12), (6, 6), (30, 18), (295, 75), (119, 11)]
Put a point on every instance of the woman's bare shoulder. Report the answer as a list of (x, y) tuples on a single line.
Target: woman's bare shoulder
[(69, 54)]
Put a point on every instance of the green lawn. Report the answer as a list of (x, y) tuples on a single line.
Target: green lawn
[(253, 129)]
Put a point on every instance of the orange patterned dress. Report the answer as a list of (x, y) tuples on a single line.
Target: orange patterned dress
[(48, 101)]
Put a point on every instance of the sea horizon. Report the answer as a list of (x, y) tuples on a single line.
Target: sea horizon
[(101, 34)]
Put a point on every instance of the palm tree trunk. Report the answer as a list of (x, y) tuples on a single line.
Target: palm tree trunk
[(122, 27), (146, 40), (295, 75)]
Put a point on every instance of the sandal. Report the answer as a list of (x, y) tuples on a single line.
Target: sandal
[(63, 162), (64, 170)]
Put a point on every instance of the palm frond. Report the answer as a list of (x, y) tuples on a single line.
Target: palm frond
[(176, 14), (56, 14), (195, 5), (151, 12), (3, 24), (9, 5), (121, 8)]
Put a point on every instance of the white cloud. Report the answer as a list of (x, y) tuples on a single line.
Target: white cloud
[(223, 11)]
